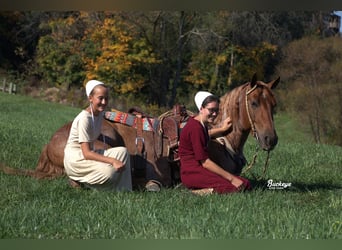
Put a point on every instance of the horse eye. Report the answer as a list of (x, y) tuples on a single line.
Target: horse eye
[(254, 104)]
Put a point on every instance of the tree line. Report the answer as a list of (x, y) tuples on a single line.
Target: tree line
[(156, 58)]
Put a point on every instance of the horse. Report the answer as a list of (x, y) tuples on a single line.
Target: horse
[(151, 159), (250, 107)]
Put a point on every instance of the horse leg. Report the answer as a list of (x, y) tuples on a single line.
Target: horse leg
[(47, 168)]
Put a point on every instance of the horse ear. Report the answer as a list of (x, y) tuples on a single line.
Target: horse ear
[(254, 80), (274, 83)]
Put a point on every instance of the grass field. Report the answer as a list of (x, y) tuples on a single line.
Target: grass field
[(49, 209)]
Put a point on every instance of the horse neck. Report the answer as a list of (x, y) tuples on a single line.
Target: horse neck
[(231, 104)]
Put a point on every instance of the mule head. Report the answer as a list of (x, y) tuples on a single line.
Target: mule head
[(260, 103)]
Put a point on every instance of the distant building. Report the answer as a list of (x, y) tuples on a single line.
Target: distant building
[(334, 25)]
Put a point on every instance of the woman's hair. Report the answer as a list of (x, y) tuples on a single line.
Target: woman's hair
[(209, 99)]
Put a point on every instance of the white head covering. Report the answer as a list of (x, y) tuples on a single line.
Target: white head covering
[(200, 96), (91, 85)]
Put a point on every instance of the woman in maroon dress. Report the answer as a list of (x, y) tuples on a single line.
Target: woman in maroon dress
[(198, 172)]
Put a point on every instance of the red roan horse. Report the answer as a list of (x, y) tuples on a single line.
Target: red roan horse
[(250, 106)]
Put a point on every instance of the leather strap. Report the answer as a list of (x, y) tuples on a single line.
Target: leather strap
[(139, 140)]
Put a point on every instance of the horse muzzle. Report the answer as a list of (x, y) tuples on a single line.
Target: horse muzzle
[(268, 141)]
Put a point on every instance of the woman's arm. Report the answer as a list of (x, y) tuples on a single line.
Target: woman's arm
[(216, 132), (91, 155), (213, 167)]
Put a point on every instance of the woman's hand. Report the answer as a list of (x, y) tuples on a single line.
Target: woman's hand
[(238, 183), (219, 131), (118, 165), (226, 124)]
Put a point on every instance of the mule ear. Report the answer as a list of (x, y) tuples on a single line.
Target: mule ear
[(274, 83), (254, 80)]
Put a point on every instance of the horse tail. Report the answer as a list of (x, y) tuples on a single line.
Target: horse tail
[(44, 170), (14, 171)]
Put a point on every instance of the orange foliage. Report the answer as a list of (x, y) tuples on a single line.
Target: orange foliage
[(119, 54)]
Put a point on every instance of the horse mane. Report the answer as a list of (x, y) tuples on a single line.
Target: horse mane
[(229, 104)]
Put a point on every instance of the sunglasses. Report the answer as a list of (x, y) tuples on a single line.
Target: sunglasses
[(213, 110)]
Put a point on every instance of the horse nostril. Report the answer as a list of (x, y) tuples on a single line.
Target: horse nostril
[(270, 141), (267, 140)]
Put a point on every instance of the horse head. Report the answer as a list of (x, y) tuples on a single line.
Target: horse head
[(251, 108), (259, 103)]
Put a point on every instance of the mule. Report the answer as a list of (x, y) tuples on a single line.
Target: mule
[(250, 106)]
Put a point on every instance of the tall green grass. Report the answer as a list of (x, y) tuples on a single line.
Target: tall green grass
[(50, 209)]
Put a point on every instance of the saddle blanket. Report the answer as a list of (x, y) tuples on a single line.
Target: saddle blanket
[(149, 124)]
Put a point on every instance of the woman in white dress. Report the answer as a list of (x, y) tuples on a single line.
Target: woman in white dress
[(87, 166)]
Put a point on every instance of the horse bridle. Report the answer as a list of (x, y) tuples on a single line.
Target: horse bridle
[(255, 135)]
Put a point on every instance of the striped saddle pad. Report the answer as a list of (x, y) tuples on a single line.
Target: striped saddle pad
[(149, 124)]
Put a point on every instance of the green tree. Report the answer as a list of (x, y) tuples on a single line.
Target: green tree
[(155, 57), (219, 61), (59, 55), (118, 55), (167, 33)]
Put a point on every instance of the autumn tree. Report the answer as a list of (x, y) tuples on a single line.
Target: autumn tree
[(167, 34), (118, 56), (312, 71), (153, 57), (219, 61), (59, 55), (79, 46)]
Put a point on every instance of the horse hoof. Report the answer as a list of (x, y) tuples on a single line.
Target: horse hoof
[(153, 186)]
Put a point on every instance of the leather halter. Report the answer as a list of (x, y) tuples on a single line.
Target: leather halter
[(255, 134)]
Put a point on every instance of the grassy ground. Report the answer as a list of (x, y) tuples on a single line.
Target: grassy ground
[(49, 209)]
